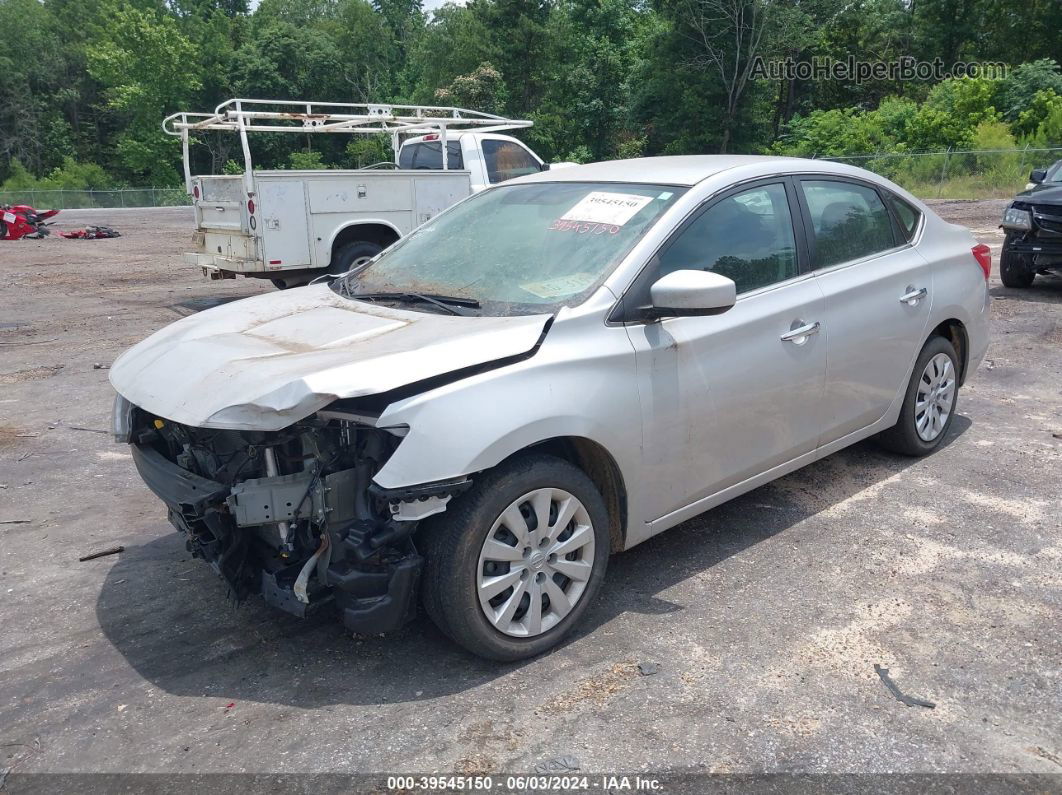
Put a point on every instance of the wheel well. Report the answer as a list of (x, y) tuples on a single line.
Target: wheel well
[(601, 468), (955, 332), (376, 233)]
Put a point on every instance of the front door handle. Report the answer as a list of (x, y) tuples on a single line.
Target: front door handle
[(912, 297), (799, 335)]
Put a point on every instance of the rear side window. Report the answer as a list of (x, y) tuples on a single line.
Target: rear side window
[(428, 155), (506, 160), (850, 221), (907, 215)]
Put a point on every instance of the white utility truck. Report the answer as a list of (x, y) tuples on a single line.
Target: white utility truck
[(292, 226)]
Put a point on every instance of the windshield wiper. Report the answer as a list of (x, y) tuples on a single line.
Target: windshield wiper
[(454, 305)]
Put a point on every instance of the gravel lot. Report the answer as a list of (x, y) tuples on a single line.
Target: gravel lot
[(766, 616)]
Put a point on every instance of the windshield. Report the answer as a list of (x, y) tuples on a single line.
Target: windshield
[(519, 249), (1054, 174)]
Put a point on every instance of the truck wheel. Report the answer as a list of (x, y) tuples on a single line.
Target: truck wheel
[(929, 403), (1015, 270), (513, 564), (351, 255)]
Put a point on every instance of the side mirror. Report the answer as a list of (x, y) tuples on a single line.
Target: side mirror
[(689, 293), (1038, 175)]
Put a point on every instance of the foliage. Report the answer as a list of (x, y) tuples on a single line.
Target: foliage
[(84, 84), (1019, 88), (481, 89), (143, 63), (71, 175), (368, 150), (306, 160)]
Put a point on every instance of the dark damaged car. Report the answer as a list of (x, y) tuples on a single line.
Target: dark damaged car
[(1033, 227)]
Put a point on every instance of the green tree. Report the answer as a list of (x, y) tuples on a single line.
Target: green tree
[(482, 89), (147, 69)]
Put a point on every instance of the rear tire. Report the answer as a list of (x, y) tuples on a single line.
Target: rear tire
[(470, 543), (934, 384), (1015, 270), (352, 255)]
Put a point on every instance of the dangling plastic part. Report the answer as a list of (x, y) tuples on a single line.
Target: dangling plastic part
[(304, 576)]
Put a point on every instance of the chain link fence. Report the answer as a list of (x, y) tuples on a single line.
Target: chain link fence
[(950, 174), (78, 199), (958, 173)]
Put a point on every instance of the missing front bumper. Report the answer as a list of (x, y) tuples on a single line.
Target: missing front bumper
[(374, 588)]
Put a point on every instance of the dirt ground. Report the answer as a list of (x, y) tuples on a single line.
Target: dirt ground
[(765, 616)]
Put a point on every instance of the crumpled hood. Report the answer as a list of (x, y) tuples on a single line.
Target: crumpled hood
[(265, 362)]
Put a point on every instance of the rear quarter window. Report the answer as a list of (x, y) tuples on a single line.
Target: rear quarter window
[(908, 216)]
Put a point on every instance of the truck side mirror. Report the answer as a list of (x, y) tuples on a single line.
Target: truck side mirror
[(1038, 175)]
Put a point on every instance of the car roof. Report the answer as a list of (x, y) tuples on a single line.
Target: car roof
[(674, 170)]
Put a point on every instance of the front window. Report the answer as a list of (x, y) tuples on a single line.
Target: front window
[(747, 237), (1054, 174), (519, 249)]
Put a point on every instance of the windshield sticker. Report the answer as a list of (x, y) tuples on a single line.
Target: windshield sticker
[(562, 286), (602, 207), (560, 225)]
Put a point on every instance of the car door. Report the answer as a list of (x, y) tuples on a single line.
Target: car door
[(878, 291), (729, 396)]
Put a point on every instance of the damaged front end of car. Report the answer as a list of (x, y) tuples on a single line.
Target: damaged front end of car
[(1033, 228), (293, 514)]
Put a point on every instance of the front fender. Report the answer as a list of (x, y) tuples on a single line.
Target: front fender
[(570, 388)]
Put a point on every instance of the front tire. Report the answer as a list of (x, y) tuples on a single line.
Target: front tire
[(513, 564), (929, 403), (1015, 270)]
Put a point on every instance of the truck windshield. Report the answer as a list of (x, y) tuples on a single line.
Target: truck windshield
[(519, 249)]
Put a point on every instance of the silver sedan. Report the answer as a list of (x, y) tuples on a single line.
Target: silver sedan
[(551, 371)]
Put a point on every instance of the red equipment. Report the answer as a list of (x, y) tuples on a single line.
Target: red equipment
[(21, 220), (91, 233)]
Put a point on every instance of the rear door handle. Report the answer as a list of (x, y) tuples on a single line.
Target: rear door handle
[(799, 336), (914, 296)]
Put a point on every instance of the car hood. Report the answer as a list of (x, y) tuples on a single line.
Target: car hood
[(265, 362), (1046, 193)]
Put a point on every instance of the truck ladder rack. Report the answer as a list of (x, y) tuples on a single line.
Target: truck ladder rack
[(242, 116)]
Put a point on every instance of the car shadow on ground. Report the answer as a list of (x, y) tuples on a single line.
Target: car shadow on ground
[(167, 614), (1045, 289)]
